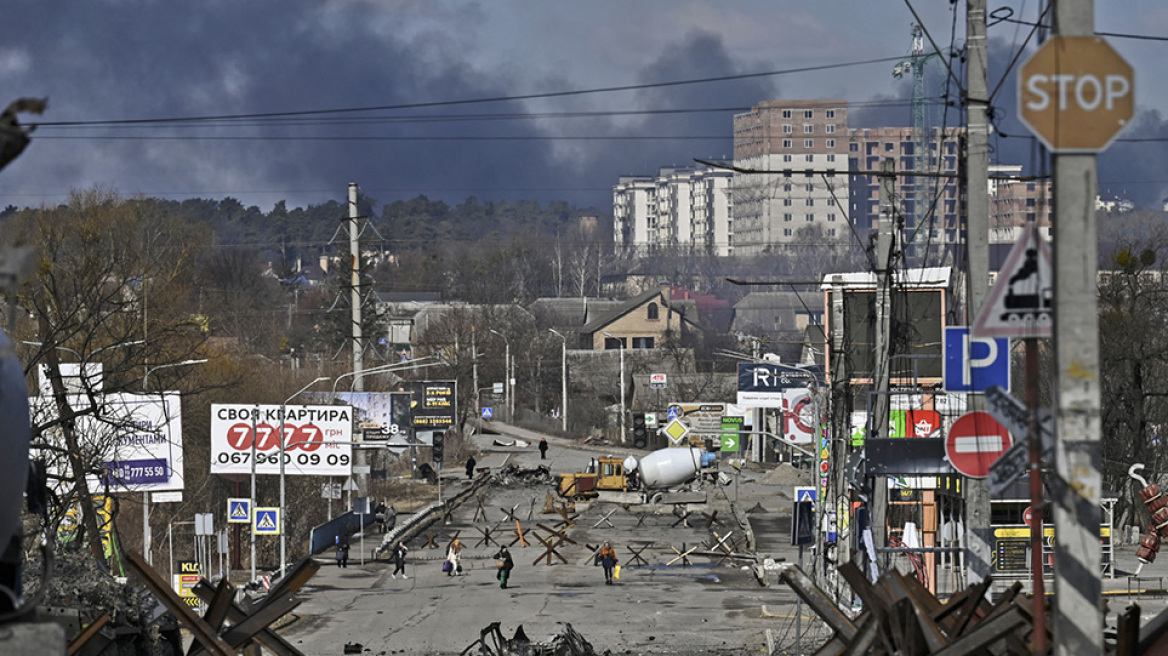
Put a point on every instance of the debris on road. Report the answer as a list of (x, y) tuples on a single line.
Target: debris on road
[(492, 643)]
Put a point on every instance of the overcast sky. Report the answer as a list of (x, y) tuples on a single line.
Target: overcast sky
[(402, 72)]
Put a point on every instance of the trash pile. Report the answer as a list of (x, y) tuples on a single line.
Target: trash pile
[(491, 642), (515, 475)]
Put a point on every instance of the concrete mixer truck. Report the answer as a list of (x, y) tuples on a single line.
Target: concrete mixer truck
[(674, 475)]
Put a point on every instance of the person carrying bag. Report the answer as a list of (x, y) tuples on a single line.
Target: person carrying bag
[(504, 564)]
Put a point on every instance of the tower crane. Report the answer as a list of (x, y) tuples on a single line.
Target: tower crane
[(915, 65)]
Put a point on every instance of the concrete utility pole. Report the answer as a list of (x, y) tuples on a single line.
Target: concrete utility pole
[(977, 500), (360, 456), (841, 423), (878, 421), (1078, 614)]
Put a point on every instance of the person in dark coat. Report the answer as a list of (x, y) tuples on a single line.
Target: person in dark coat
[(399, 560), (504, 563), (606, 558), (343, 554), (543, 447), (470, 466)]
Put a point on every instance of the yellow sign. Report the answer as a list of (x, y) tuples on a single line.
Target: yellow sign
[(676, 431)]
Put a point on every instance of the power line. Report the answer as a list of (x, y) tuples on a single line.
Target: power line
[(492, 99)]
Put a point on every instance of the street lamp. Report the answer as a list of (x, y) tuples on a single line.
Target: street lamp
[(509, 396), (283, 456), (563, 381), (621, 342), (84, 359), (147, 533)]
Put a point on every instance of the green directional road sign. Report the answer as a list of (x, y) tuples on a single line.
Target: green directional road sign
[(731, 441)]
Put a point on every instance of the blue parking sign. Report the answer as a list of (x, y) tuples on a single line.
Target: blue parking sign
[(974, 364)]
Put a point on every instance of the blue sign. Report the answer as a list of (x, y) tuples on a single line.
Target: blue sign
[(804, 494), (239, 511), (138, 472), (267, 521), (974, 364), (673, 412), (487, 414)]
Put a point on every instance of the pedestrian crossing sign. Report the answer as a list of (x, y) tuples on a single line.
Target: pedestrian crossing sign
[(487, 414), (239, 511), (267, 521)]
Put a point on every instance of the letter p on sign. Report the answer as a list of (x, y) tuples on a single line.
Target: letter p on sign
[(1076, 93)]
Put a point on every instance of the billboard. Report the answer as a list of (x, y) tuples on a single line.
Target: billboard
[(131, 442), (318, 439), (762, 385), (435, 404), (378, 417)]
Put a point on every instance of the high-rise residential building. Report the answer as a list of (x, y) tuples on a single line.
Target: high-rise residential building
[(1015, 202), (801, 190), (682, 207), (930, 205)]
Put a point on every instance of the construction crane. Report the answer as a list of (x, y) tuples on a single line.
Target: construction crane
[(915, 64)]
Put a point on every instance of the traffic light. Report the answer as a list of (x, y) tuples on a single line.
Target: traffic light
[(436, 453), (640, 431)]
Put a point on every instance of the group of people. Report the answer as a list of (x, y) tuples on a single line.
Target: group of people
[(385, 515)]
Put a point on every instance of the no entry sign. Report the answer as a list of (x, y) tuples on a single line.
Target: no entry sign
[(975, 441)]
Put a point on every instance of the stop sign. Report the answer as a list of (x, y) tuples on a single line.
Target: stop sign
[(1076, 93), (974, 442)]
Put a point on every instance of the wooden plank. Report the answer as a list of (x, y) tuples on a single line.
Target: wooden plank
[(985, 633), (182, 612), (236, 614), (868, 593), (85, 636), (291, 583), (819, 602), (860, 644), (242, 633), (833, 647)]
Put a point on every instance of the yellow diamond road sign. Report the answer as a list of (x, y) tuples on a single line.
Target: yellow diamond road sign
[(1076, 93), (676, 431)]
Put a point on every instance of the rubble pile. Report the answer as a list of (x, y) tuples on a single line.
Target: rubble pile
[(568, 642), (137, 623), (512, 475)]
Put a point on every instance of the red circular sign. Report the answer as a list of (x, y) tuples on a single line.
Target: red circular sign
[(823, 466), (1028, 516), (974, 442)]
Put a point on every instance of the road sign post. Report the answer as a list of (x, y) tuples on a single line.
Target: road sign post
[(974, 442)]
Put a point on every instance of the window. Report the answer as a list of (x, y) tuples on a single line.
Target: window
[(807, 113), (810, 218), (830, 128), (787, 217), (808, 129), (652, 312), (831, 143), (786, 143), (808, 143), (831, 201), (831, 232), (810, 187), (786, 202), (830, 217), (642, 342), (810, 202), (786, 232), (786, 113), (809, 158), (854, 147), (787, 129), (809, 173), (787, 173), (787, 187), (786, 158), (831, 158), (830, 113)]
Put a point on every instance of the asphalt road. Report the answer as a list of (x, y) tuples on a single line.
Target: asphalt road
[(697, 605)]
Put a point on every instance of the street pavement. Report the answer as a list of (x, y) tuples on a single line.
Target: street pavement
[(702, 604)]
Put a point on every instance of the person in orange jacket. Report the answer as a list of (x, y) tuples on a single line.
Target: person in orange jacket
[(606, 558)]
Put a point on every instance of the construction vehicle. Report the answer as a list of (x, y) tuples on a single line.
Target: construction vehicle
[(674, 475)]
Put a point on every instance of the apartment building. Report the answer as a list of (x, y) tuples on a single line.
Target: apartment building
[(801, 190), (686, 207), (1015, 202)]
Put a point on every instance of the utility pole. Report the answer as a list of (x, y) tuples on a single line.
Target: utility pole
[(878, 420), (837, 500), (1078, 617), (977, 499), (360, 456)]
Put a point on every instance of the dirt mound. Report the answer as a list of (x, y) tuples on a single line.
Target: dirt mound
[(784, 474)]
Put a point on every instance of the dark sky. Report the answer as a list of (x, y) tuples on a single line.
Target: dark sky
[(272, 66)]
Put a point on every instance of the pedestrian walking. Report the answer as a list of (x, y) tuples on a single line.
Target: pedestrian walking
[(379, 515), (343, 553), (390, 518), (470, 465), (399, 560), (504, 564), (606, 558), (543, 447), (454, 557)]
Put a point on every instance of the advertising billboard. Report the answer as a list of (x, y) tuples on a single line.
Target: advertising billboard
[(378, 417), (318, 439), (435, 404), (131, 442)]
